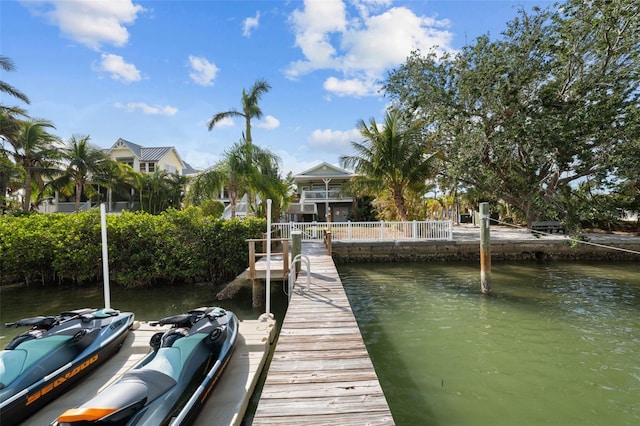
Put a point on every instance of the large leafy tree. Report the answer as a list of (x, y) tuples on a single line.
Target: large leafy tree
[(524, 118), (392, 161), (35, 150)]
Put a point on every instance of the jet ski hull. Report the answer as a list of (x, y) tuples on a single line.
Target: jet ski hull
[(53, 362), (172, 383)]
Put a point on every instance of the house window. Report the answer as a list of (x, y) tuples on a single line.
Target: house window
[(127, 161), (147, 167)]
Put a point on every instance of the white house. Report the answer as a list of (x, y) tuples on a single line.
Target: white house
[(319, 191)]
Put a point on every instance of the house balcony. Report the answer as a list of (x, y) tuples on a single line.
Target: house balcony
[(321, 196)]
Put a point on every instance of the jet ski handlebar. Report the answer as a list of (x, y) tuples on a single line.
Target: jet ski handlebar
[(190, 318), (34, 322), (47, 322)]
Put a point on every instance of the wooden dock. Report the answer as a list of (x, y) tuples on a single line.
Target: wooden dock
[(229, 400), (321, 373)]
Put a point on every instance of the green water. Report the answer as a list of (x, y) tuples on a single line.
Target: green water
[(557, 344), (147, 303)]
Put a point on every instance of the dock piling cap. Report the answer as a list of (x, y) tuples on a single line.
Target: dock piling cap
[(266, 317)]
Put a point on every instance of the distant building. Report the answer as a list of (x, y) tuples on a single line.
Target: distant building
[(319, 191), (148, 160), (141, 159)]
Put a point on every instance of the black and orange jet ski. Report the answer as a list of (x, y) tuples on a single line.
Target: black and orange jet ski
[(55, 353), (172, 383)]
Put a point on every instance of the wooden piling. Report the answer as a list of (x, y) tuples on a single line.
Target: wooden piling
[(485, 249)]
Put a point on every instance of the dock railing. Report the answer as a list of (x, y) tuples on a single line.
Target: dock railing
[(253, 255), (433, 230)]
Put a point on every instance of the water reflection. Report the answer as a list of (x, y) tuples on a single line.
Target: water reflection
[(147, 303), (558, 343)]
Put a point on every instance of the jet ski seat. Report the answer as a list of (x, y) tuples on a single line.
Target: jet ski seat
[(15, 361), (170, 360)]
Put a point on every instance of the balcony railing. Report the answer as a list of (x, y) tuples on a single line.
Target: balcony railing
[(434, 230), (321, 194)]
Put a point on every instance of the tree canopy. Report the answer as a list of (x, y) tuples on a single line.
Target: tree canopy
[(526, 118)]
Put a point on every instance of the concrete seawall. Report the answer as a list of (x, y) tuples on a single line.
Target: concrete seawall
[(506, 244)]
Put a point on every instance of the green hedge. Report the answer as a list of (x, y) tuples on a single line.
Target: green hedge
[(175, 247)]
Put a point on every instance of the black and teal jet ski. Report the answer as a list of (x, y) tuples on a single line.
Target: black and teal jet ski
[(172, 383), (55, 353)]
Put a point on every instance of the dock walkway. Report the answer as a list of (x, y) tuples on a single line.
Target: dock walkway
[(321, 373)]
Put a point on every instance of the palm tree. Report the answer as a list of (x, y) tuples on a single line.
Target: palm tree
[(9, 127), (266, 182), (34, 150), (244, 168), (250, 108), (9, 130), (161, 190), (392, 160), (208, 184), (83, 163), (7, 65)]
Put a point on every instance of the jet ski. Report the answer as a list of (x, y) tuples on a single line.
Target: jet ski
[(55, 353), (172, 383)]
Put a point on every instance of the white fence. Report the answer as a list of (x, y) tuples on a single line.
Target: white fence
[(438, 230)]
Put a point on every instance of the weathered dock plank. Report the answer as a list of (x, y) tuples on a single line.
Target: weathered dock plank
[(372, 418), (321, 372)]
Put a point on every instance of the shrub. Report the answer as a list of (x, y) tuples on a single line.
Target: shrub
[(174, 247)]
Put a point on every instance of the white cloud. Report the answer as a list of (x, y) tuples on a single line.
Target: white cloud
[(366, 7), (333, 140), (293, 163), (389, 37), (90, 22), (350, 87), (313, 27), (147, 109), (202, 72), (360, 43), (249, 24), (270, 123), (118, 68)]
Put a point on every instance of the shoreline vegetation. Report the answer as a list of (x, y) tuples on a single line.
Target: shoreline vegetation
[(188, 247), (175, 247)]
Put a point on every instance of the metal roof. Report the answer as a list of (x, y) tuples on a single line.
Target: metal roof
[(155, 153)]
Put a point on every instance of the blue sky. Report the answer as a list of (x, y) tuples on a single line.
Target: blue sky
[(154, 72)]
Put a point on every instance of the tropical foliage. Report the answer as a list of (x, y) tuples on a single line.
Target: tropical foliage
[(250, 108), (393, 161), (83, 165), (37, 152), (528, 117), (7, 65), (244, 168), (160, 191), (173, 247), (9, 128)]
